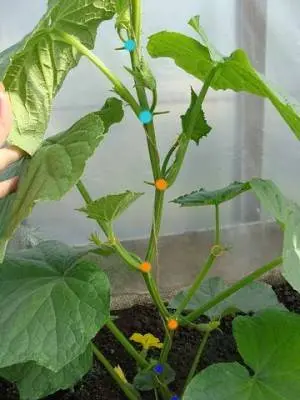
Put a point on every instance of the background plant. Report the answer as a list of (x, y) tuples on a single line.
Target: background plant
[(53, 287)]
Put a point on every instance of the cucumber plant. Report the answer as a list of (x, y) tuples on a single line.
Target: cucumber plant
[(53, 298)]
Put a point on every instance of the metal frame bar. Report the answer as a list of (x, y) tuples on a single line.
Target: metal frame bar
[(251, 32)]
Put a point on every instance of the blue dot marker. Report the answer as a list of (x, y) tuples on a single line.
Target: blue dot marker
[(175, 397), (145, 116), (159, 369), (130, 45)]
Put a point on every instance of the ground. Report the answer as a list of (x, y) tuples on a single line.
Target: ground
[(98, 385)]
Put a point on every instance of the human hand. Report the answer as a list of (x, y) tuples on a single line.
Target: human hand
[(10, 154)]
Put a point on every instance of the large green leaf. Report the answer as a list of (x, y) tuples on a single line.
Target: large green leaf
[(52, 303), (235, 72), (35, 381), (201, 129), (287, 214), (272, 199), (270, 345), (56, 167), (34, 69), (252, 298), (204, 197), (108, 208), (291, 248)]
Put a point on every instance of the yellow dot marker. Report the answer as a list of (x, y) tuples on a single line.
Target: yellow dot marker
[(145, 267), (173, 324), (161, 184)]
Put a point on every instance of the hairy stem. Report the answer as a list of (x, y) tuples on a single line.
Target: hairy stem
[(83, 191), (199, 279), (136, 11), (217, 217), (118, 85), (156, 223), (87, 198), (128, 391), (166, 347), (126, 344), (156, 297), (125, 255), (154, 159), (197, 359), (233, 289)]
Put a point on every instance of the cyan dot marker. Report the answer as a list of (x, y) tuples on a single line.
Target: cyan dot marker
[(145, 116), (158, 369), (130, 45)]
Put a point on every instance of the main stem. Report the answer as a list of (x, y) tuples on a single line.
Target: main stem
[(156, 224), (233, 289), (166, 347), (217, 217), (136, 10), (154, 159)]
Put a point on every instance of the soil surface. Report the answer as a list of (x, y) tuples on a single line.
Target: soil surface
[(97, 384)]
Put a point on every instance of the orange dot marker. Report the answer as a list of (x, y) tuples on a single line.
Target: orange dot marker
[(145, 267), (173, 324), (161, 184)]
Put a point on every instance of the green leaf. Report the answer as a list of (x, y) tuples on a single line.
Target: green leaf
[(147, 379), (56, 167), (109, 208), (235, 73), (291, 249), (270, 345), (35, 382), (287, 214), (52, 303), (123, 15), (143, 75), (111, 113), (34, 69), (215, 56), (201, 127), (272, 199), (204, 197), (252, 298)]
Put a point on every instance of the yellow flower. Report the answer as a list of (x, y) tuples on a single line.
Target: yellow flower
[(147, 341), (120, 373)]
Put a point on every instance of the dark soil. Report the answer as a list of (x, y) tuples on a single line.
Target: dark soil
[(97, 385)]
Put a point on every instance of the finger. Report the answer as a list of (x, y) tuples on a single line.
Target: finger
[(9, 155), (5, 115), (8, 186)]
